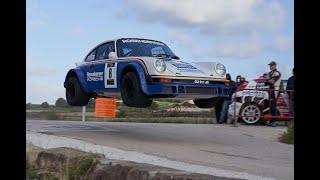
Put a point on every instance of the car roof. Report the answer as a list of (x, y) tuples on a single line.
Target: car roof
[(128, 38), (115, 41)]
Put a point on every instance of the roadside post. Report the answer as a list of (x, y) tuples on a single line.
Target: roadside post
[(83, 113)]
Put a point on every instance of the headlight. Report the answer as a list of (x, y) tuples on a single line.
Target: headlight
[(220, 69), (160, 65)]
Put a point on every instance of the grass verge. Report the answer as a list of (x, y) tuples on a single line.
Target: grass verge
[(288, 136)]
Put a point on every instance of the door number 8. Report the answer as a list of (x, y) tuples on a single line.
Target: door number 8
[(110, 73)]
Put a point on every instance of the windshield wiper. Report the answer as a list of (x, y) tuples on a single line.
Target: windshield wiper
[(161, 55), (175, 57), (166, 56)]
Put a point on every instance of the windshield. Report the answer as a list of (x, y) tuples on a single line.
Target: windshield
[(143, 47)]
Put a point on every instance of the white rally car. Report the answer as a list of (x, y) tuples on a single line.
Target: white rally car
[(251, 101), (139, 70)]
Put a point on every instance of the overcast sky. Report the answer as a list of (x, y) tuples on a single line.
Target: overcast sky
[(244, 35)]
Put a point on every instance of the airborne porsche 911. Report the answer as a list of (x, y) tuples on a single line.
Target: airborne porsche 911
[(140, 70)]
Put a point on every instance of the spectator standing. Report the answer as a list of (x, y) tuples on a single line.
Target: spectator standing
[(238, 79), (274, 76), (227, 100), (242, 80)]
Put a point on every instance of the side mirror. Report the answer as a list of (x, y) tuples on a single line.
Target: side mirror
[(112, 55)]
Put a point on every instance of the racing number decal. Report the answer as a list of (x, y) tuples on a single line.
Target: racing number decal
[(110, 75)]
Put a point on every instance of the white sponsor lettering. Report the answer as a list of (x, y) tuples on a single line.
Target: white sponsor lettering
[(185, 67), (141, 41), (201, 82), (253, 93), (95, 76)]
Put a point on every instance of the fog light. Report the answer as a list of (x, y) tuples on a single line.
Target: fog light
[(165, 80)]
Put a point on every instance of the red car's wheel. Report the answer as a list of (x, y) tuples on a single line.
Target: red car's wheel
[(248, 110)]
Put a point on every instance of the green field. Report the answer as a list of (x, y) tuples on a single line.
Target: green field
[(157, 113)]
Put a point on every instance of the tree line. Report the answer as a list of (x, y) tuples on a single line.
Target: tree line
[(61, 102)]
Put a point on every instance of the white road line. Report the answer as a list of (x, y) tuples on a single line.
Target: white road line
[(51, 141)]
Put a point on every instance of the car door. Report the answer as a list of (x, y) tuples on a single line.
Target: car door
[(95, 69), (104, 67)]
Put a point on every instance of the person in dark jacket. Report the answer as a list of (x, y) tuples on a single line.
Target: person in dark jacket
[(290, 86), (227, 100), (274, 76), (243, 80)]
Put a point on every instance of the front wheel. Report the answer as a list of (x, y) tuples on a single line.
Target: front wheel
[(248, 110), (74, 94), (131, 92)]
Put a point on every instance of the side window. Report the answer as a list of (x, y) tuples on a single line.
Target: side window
[(104, 50), (126, 50), (91, 56)]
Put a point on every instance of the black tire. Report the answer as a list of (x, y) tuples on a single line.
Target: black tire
[(131, 92), (74, 94), (206, 103), (252, 109)]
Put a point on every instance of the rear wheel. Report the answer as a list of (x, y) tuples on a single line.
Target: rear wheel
[(131, 92), (74, 94), (248, 110)]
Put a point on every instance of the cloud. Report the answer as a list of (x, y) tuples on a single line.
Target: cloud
[(286, 71), (180, 38), (32, 24), (33, 69), (220, 46), (39, 91), (282, 44), (237, 49), (75, 30), (235, 28), (241, 47), (36, 16), (43, 83), (121, 14), (211, 16)]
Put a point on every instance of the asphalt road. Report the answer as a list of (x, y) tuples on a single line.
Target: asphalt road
[(251, 149)]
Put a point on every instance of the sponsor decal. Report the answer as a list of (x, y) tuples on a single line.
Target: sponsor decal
[(262, 85), (253, 93), (141, 41), (110, 75), (201, 82), (185, 67), (95, 76)]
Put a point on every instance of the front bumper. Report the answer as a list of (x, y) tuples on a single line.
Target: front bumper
[(187, 89)]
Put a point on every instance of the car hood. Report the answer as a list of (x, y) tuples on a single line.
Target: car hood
[(183, 68)]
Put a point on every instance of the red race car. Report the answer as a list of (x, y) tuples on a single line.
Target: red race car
[(252, 104)]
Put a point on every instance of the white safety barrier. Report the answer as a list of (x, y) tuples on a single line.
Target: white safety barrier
[(51, 141)]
